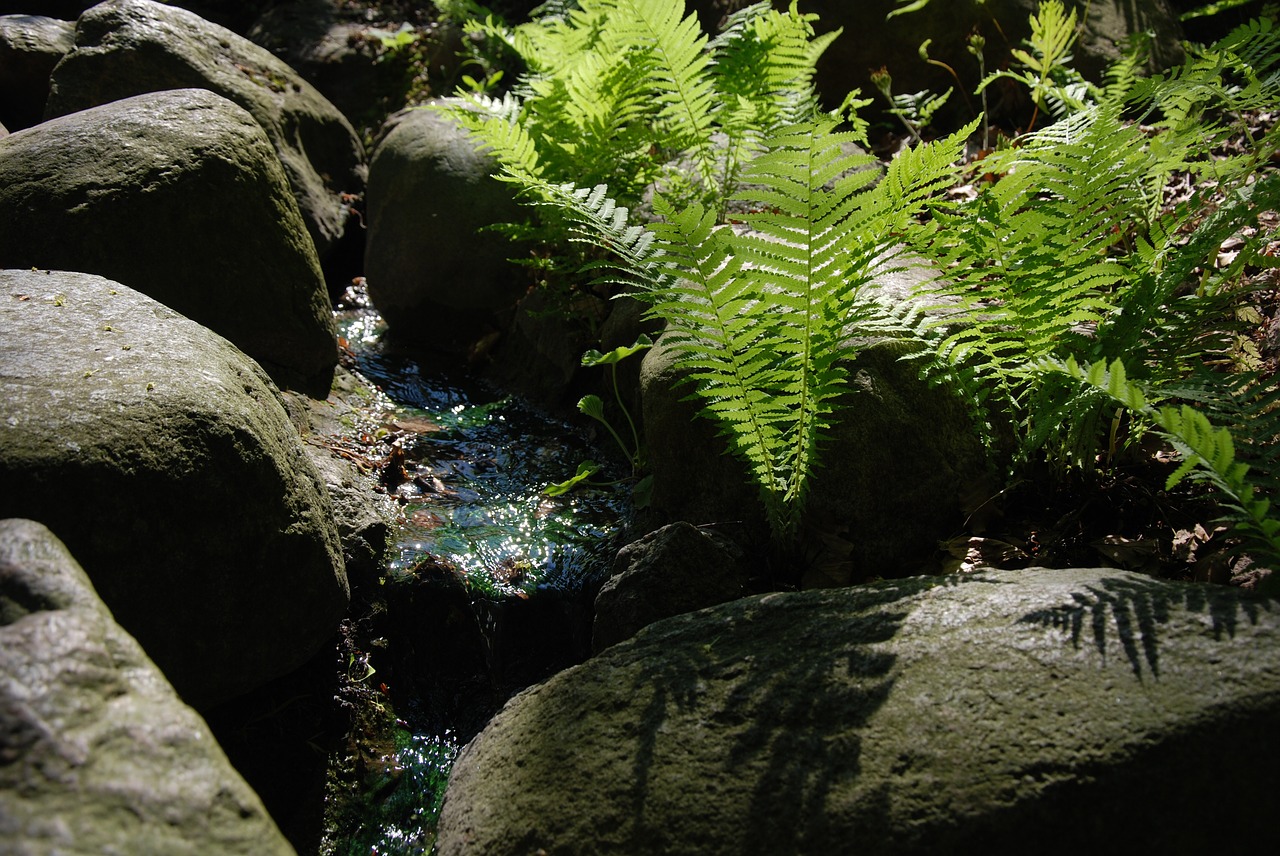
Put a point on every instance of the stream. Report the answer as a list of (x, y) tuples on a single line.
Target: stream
[(487, 587)]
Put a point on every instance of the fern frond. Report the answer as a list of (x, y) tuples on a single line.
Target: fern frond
[(765, 58), (761, 321), (494, 126), (731, 359), (1207, 451), (762, 64), (1036, 263)]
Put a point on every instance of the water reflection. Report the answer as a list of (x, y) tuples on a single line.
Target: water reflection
[(477, 534)]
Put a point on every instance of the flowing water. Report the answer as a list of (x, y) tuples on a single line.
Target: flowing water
[(487, 587)]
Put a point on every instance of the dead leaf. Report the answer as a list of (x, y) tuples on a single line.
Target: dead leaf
[(970, 552), (1129, 553), (426, 519), (415, 425)]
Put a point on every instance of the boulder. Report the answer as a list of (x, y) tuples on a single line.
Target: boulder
[(676, 569), (362, 515), (339, 57), (339, 47), (901, 458), (869, 41), (163, 458), (362, 509), (100, 755), (180, 196), (1003, 712), (432, 273), (128, 47), (539, 353), (30, 46)]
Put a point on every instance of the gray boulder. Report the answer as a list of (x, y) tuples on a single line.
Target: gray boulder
[(163, 458), (128, 47), (362, 509), (1006, 712), (901, 460), (100, 754), (432, 273), (339, 57), (180, 196), (676, 569), (339, 47), (30, 46)]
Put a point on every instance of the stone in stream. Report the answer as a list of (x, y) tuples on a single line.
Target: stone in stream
[(163, 458), (30, 47), (672, 570), (99, 754), (128, 47), (434, 275), (178, 195), (1001, 712)]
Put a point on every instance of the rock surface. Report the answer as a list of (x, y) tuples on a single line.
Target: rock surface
[(163, 458), (672, 570), (891, 482), (100, 755), (432, 273), (362, 520), (30, 46), (128, 47), (1004, 712), (180, 196), (338, 46)]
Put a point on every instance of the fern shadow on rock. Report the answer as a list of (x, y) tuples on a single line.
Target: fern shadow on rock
[(1137, 610), (754, 694)]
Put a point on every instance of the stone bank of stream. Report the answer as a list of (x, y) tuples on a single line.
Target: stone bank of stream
[(487, 588)]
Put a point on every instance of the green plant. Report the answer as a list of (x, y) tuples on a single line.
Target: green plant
[(914, 111), (1045, 68), (1074, 258), (631, 94), (593, 406), (1209, 9), (1207, 451), (762, 320)]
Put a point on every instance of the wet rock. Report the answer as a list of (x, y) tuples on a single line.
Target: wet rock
[(363, 512), (178, 195), (676, 569), (1059, 711), (100, 755), (163, 458), (433, 274), (362, 519), (128, 47), (901, 458), (30, 46)]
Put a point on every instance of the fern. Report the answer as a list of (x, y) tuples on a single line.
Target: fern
[(1030, 264), (617, 89), (1045, 68), (762, 321), (1075, 289), (1206, 450)]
